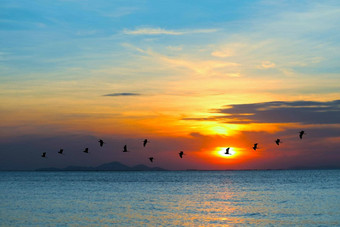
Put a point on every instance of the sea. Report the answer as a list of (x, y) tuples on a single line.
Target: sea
[(171, 198)]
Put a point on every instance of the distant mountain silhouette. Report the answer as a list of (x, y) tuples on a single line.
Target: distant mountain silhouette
[(111, 166)]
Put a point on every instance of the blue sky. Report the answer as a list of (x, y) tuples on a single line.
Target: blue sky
[(47, 34)]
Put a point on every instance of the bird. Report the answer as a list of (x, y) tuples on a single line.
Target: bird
[(151, 159), (278, 141), (86, 150), (101, 142), (43, 155), (125, 149), (227, 150), (255, 146), (61, 151), (181, 154), (145, 142), (301, 134)]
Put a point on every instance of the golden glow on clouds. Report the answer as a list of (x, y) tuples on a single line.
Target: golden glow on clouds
[(219, 130)]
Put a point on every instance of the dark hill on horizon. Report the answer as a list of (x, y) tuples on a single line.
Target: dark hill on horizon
[(111, 166)]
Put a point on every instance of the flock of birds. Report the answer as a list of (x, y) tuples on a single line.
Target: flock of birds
[(101, 143), (181, 153), (277, 141)]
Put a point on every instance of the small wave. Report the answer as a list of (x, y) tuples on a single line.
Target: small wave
[(253, 214)]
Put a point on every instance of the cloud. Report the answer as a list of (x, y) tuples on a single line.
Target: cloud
[(267, 65), (123, 94), (119, 12), (171, 48), (304, 112), (223, 53), (161, 31), (200, 66)]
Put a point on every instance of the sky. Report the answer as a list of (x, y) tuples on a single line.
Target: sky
[(193, 76)]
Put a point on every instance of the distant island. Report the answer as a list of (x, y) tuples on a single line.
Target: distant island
[(112, 166)]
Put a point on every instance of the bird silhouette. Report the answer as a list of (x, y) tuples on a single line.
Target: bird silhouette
[(145, 142), (43, 155), (227, 150), (86, 150), (278, 141), (101, 142), (255, 146), (301, 134), (125, 149), (151, 159), (181, 154), (61, 151)]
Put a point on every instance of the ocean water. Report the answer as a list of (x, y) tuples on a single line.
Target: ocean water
[(171, 198)]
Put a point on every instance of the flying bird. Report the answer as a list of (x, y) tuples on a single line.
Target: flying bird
[(61, 151), (227, 150), (278, 141), (43, 155), (86, 150), (145, 142), (125, 149), (101, 142), (151, 159), (301, 134), (255, 146), (181, 154)]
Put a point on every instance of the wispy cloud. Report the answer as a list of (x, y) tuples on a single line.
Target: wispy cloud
[(120, 12), (267, 65), (199, 66), (174, 48), (123, 94), (222, 53), (161, 31)]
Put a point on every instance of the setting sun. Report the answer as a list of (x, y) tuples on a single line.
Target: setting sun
[(221, 152)]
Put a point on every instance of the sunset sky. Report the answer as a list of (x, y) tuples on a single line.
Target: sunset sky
[(197, 76)]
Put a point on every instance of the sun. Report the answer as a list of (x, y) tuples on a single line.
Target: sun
[(221, 152)]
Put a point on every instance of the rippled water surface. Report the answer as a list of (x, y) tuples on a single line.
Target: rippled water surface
[(188, 198)]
